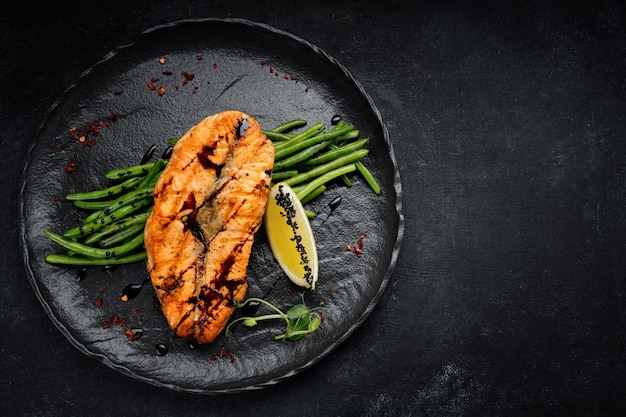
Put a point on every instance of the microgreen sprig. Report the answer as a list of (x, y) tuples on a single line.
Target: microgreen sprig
[(299, 319)]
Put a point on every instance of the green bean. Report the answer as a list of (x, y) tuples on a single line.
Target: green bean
[(281, 175), (336, 152), (153, 173), (132, 171), (283, 127), (314, 194), (346, 180), (367, 175), (322, 169), (106, 192), (121, 236), (99, 223), (92, 205), (310, 132), (301, 156), (118, 226), (341, 123), (323, 179), (353, 134), (92, 252), (59, 259), (276, 136)]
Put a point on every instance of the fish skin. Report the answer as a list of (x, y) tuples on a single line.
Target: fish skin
[(208, 204)]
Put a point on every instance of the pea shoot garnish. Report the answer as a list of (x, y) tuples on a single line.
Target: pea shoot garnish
[(299, 319)]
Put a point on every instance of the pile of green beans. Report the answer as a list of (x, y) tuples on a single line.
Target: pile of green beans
[(112, 233), (309, 159)]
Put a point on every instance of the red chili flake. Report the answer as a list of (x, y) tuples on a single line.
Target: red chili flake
[(232, 357), (215, 65), (358, 248), (161, 91), (293, 78), (286, 76), (118, 92), (119, 321), (134, 309), (151, 86), (223, 352), (272, 70), (154, 79), (55, 198), (57, 146), (188, 76), (99, 302), (90, 142), (176, 86), (105, 324), (133, 334), (306, 90), (320, 314), (213, 357), (290, 291), (199, 57), (167, 72), (185, 81), (263, 62), (67, 148), (71, 167), (195, 88), (276, 74)]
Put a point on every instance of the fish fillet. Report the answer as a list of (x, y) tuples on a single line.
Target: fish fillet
[(208, 204)]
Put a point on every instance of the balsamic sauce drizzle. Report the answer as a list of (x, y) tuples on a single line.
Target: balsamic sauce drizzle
[(333, 205), (132, 290), (148, 155)]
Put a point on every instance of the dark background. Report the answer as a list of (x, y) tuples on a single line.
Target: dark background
[(507, 121)]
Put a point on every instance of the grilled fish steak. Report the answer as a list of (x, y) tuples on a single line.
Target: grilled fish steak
[(208, 204)]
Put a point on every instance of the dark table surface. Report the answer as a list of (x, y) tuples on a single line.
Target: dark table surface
[(508, 123)]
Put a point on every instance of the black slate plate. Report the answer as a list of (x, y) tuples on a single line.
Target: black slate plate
[(227, 64)]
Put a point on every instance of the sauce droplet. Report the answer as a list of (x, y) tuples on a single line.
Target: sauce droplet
[(132, 290), (335, 202), (82, 274), (250, 309), (167, 153), (148, 155), (336, 119), (160, 349)]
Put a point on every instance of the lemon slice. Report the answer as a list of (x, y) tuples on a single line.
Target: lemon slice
[(290, 236)]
